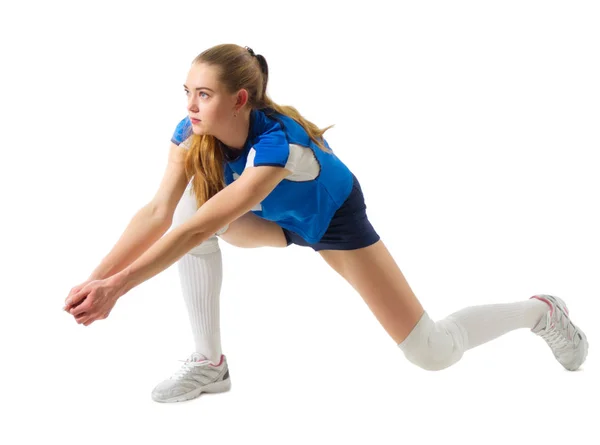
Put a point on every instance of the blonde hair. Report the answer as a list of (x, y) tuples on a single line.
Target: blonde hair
[(239, 68)]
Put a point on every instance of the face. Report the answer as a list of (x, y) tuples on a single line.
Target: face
[(210, 107)]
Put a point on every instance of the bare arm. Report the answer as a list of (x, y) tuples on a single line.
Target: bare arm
[(233, 201), (151, 222), (145, 228)]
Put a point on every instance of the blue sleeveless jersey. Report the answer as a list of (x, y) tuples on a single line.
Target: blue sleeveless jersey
[(305, 201)]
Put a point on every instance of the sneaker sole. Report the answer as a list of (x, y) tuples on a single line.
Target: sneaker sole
[(216, 387), (584, 351)]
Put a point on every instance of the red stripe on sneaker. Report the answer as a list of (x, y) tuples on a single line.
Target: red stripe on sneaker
[(220, 362), (547, 302)]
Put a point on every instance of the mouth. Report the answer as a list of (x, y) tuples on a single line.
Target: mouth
[(194, 121)]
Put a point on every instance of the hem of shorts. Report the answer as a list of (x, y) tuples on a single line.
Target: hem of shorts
[(304, 236), (349, 246)]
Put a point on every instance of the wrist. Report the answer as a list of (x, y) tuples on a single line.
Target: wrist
[(95, 277), (122, 281), (100, 273)]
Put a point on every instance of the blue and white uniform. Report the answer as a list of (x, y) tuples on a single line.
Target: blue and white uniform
[(320, 197)]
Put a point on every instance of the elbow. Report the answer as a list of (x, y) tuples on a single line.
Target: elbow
[(201, 234), (218, 212), (160, 214)]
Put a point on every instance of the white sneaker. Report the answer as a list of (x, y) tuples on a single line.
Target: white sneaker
[(197, 375), (568, 343)]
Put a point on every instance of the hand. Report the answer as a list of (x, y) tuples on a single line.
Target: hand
[(94, 301), (68, 301)]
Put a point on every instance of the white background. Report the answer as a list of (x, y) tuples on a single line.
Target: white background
[(473, 129)]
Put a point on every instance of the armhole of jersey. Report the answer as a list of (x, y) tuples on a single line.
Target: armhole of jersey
[(250, 161)]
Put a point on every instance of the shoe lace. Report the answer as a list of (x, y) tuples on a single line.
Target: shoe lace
[(188, 365), (555, 335)]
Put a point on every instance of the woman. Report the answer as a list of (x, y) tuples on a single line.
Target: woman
[(265, 176)]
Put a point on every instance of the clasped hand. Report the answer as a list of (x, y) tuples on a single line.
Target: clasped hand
[(92, 300)]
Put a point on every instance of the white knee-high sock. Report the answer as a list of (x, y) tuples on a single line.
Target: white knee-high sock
[(438, 345), (487, 322), (201, 276)]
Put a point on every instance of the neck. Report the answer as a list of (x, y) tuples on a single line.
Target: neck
[(238, 132)]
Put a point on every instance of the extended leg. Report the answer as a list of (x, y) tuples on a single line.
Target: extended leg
[(430, 345)]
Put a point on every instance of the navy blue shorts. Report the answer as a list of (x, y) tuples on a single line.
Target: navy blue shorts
[(349, 228)]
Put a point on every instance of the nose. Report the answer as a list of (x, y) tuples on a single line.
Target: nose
[(192, 103)]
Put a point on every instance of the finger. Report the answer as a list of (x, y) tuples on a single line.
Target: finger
[(83, 296), (68, 308), (81, 317), (71, 293), (85, 318), (76, 298), (69, 304), (83, 307)]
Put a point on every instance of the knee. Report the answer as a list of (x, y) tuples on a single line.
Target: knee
[(211, 245), (222, 230), (186, 208), (435, 346)]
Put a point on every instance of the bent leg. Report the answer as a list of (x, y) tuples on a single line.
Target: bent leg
[(201, 270), (252, 231), (201, 276)]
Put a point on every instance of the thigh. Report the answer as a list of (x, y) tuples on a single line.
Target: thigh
[(248, 230), (251, 231), (374, 274), (186, 207)]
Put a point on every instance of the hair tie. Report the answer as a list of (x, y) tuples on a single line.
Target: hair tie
[(250, 51)]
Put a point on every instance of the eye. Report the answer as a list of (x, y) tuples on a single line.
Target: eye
[(201, 93)]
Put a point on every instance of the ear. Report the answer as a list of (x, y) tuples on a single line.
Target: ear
[(241, 99)]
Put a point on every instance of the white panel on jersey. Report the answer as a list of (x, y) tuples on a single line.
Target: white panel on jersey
[(250, 158), (187, 143), (302, 162)]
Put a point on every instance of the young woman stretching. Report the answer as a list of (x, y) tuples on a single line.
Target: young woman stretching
[(262, 175)]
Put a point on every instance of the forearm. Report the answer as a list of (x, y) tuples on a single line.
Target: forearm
[(144, 229), (223, 208), (161, 255)]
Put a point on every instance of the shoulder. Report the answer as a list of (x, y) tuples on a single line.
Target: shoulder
[(294, 132), (183, 131), (270, 124), (269, 140)]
